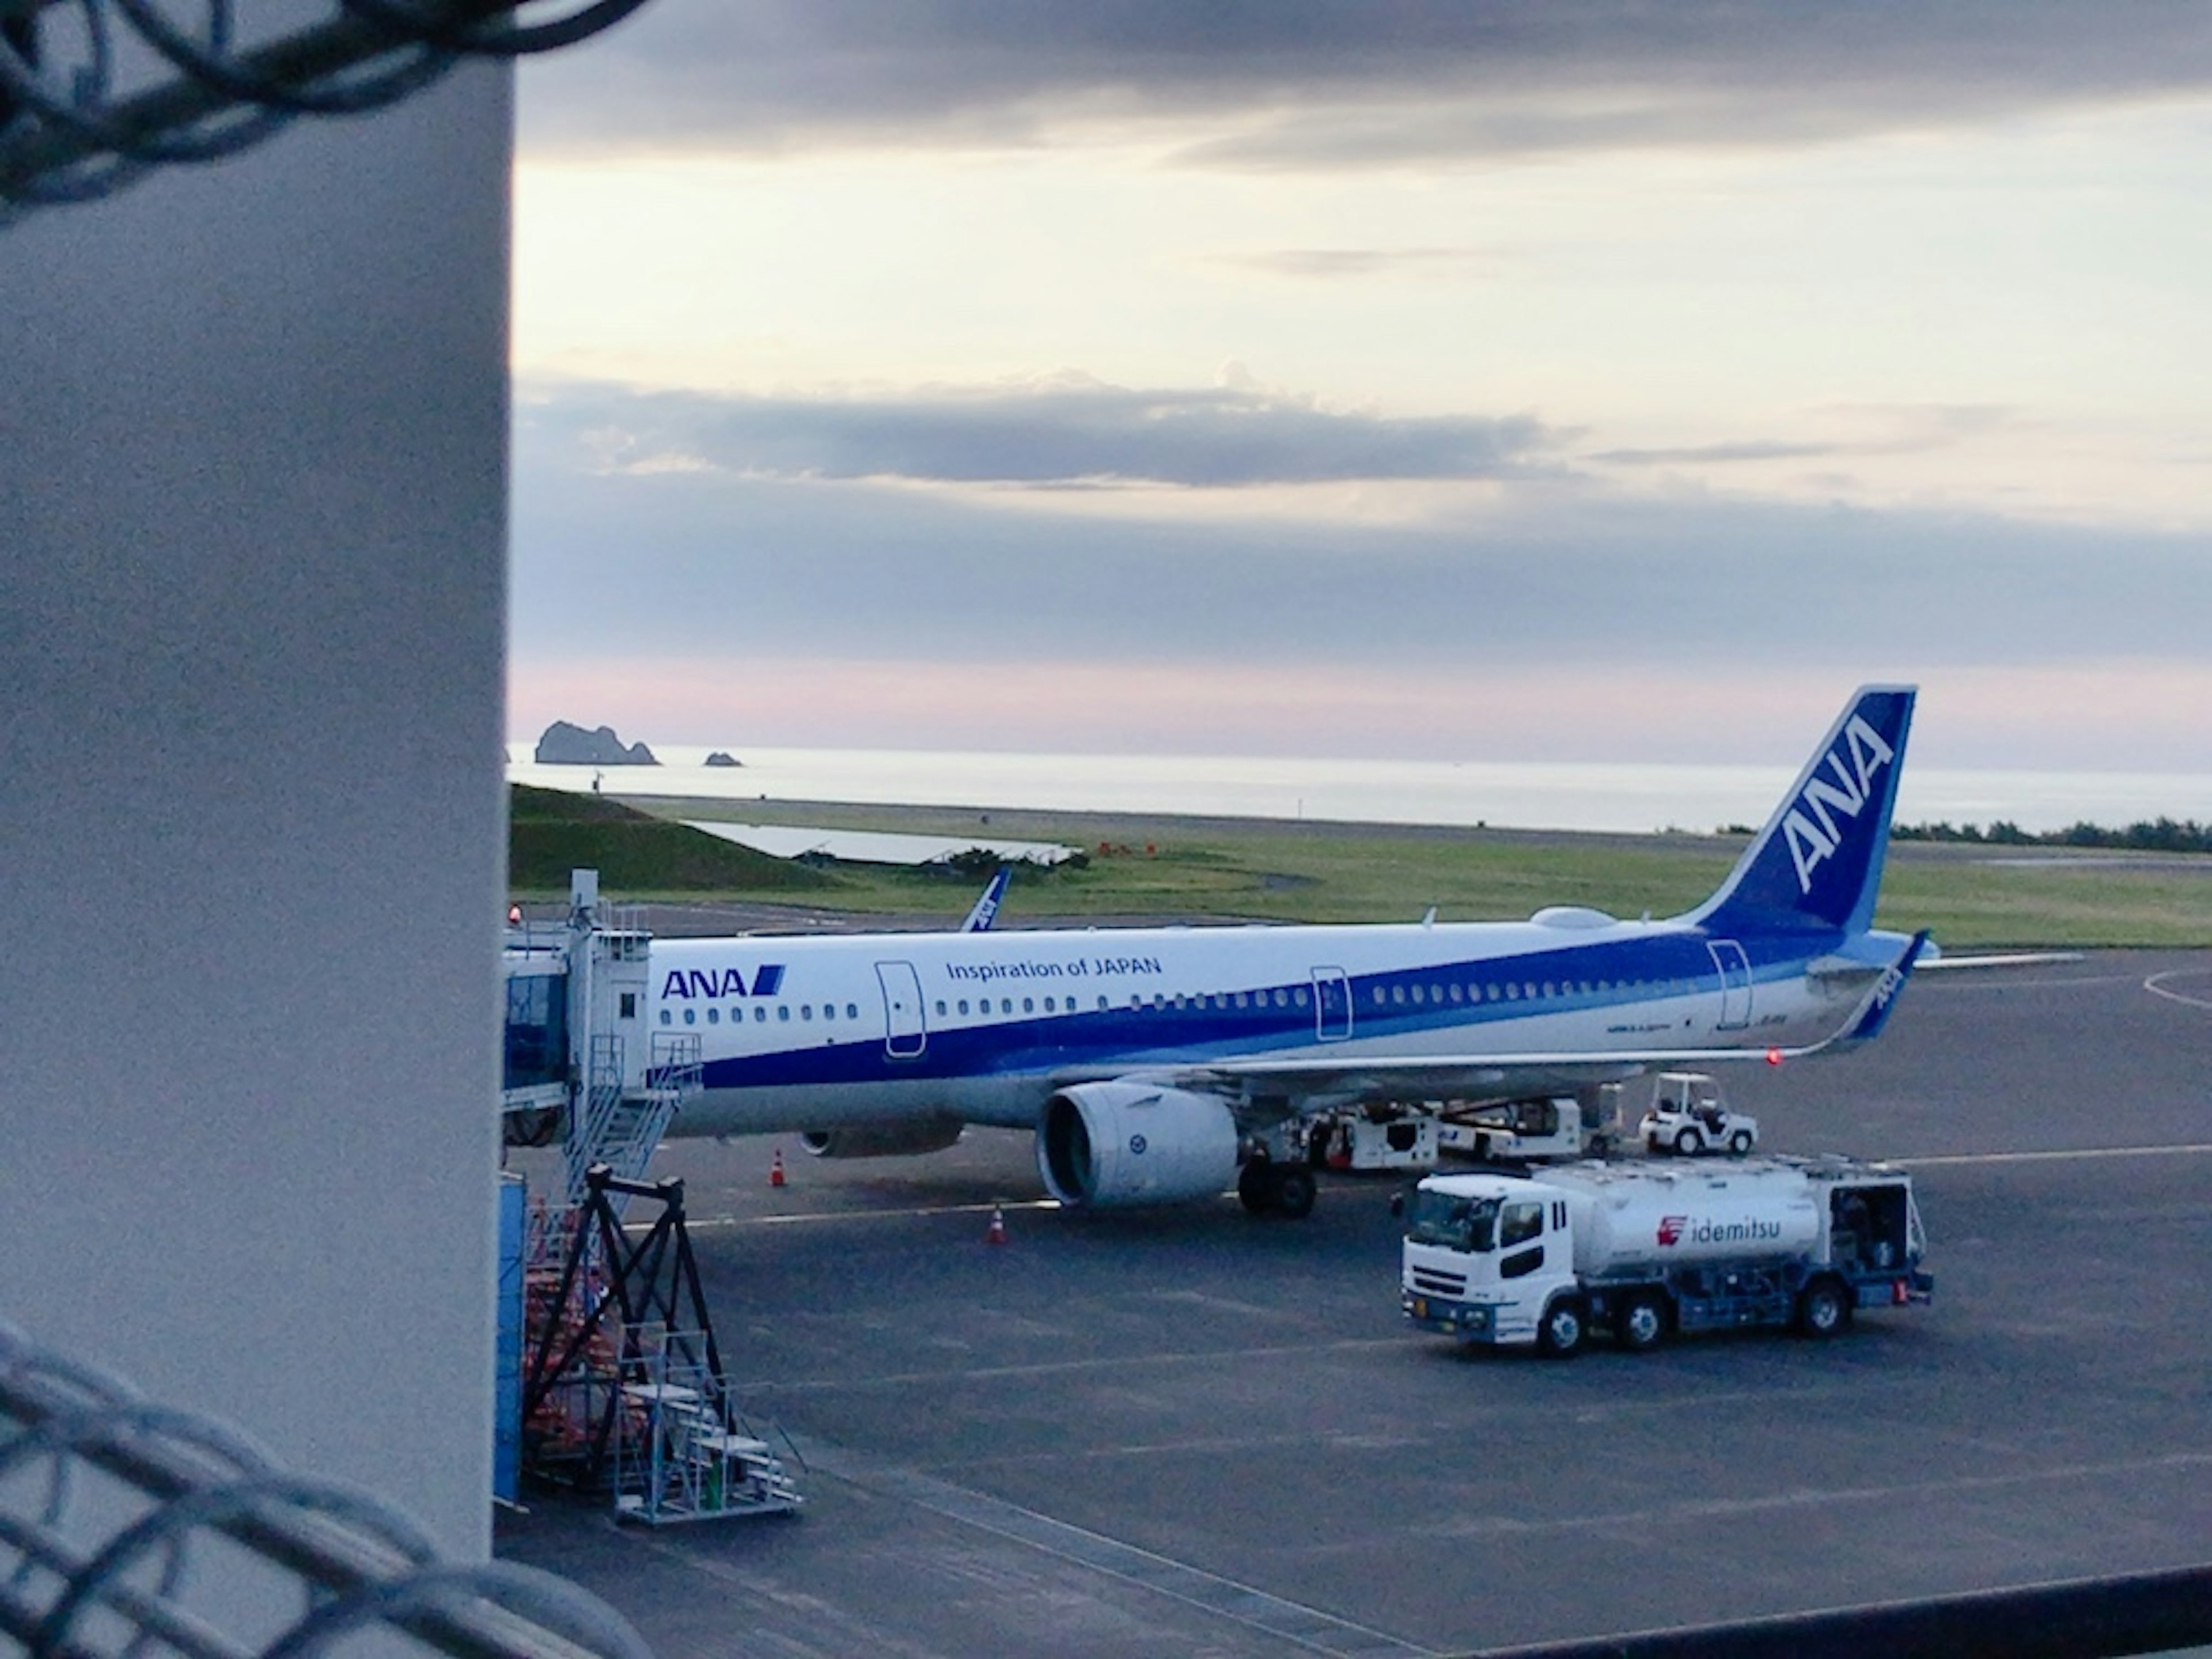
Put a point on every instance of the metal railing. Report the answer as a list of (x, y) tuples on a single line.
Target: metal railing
[(95, 93), (127, 1527)]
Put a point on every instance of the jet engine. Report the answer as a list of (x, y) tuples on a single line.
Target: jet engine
[(1112, 1145), (927, 1134)]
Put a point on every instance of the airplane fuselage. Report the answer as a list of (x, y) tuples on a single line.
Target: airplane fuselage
[(813, 1033)]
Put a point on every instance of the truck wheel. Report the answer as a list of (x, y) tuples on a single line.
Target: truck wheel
[(1739, 1142), (1643, 1324), (1823, 1310), (1292, 1191), (1255, 1182), (1689, 1142), (1559, 1334)]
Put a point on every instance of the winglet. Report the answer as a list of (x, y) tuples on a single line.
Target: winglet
[(1817, 862), (986, 907), (1874, 1012)]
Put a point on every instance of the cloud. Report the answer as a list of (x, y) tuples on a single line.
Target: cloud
[(693, 563), (1059, 433), (1722, 452), (1337, 264), (1326, 84)]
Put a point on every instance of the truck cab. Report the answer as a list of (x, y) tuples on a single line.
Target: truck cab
[(1488, 1257), (1689, 1117)]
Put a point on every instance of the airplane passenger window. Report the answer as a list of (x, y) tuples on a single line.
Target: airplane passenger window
[(783, 1011), (691, 1015), (1028, 1005), (1398, 994), (1457, 991), (806, 1011), (1549, 988), (760, 1016), (1435, 994), (1418, 994), (1101, 1005), (1048, 1005), (1378, 995), (853, 1009), (714, 1017), (1005, 1004), (1300, 995), (667, 1018)]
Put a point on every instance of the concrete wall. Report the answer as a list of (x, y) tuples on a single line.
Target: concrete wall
[(252, 498)]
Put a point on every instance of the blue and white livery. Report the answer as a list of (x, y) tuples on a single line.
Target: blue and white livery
[(1155, 1064)]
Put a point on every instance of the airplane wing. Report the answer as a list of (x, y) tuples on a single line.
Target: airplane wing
[(1318, 1082)]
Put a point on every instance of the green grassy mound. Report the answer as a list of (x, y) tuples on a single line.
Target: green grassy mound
[(551, 833)]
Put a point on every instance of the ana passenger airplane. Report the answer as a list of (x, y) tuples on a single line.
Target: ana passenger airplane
[(1155, 1064)]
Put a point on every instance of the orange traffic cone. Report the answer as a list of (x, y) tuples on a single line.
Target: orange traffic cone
[(775, 1170), (996, 1233)]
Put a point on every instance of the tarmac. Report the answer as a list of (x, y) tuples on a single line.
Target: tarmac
[(1194, 1431)]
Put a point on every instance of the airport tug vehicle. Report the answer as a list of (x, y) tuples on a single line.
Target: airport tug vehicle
[(1686, 1116), (1644, 1250)]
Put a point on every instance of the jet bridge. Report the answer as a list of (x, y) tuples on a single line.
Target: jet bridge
[(580, 1067)]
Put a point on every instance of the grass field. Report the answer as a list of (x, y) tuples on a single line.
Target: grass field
[(1196, 869)]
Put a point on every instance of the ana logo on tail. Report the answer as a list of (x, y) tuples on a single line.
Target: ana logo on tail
[(1810, 841)]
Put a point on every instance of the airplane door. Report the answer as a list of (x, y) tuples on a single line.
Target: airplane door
[(1331, 1005), (1734, 969), (903, 1033)]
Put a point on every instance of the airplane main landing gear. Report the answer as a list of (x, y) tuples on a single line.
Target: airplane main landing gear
[(1267, 1187)]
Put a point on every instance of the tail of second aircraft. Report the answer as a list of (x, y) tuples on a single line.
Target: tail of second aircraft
[(1817, 862)]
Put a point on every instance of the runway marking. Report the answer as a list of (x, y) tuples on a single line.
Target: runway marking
[(1064, 1367), (1669, 1520), (2187, 1149), (1284, 1620), (2156, 989), (712, 1222)]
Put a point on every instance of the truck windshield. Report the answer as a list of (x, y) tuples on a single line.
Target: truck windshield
[(1451, 1221)]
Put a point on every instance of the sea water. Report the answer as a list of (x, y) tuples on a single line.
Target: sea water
[(1533, 795)]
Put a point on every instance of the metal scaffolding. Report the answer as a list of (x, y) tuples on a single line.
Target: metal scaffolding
[(624, 1394)]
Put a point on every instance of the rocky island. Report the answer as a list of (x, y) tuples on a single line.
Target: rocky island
[(564, 744)]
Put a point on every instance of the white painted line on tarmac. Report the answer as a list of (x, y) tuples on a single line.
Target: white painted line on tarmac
[(2186, 1149), (1281, 1620), (702, 1222), (2156, 989)]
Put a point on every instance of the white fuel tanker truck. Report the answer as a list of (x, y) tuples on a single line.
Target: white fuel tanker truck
[(1644, 1250)]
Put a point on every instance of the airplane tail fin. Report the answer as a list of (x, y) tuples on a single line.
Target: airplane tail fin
[(1817, 862), (986, 907)]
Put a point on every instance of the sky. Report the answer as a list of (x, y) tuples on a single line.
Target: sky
[(1475, 381)]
